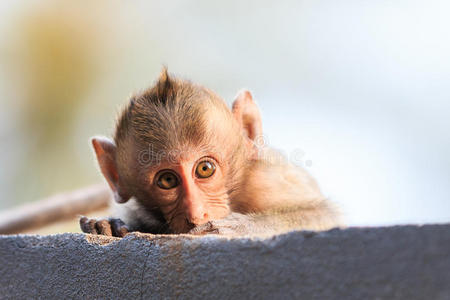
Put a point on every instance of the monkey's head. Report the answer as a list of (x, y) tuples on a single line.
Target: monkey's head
[(179, 150)]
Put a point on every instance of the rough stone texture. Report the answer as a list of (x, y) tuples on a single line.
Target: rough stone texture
[(401, 262)]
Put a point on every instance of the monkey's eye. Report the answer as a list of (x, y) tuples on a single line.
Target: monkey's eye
[(167, 180), (205, 169)]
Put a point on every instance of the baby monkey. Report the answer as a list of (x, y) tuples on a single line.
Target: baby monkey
[(182, 162)]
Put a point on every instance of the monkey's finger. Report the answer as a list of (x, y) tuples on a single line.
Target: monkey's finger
[(118, 227), (88, 225), (103, 227)]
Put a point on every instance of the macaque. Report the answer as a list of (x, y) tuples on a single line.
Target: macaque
[(181, 161)]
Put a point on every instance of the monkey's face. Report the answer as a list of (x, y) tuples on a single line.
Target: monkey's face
[(189, 190), (174, 114)]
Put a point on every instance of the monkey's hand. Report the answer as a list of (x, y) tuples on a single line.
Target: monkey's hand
[(109, 226), (233, 224)]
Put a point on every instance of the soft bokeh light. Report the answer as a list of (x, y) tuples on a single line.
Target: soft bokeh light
[(357, 89)]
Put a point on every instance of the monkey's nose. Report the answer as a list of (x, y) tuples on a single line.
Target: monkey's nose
[(195, 220)]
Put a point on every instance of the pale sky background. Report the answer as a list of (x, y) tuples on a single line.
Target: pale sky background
[(361, 88)]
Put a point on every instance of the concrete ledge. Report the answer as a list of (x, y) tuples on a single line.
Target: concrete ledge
[(401, 262)]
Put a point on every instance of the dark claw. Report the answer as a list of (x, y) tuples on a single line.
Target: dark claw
[(103, 227), (118, 227), (88, 225), (108, 227)]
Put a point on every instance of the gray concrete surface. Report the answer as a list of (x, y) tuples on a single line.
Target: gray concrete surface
[(401, 262)]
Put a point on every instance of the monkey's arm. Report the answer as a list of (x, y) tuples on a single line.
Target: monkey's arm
[(128, 217), (118, 228), (320, 217)]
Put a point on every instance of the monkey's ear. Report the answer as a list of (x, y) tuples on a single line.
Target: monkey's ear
[(105, 150), (246, 112)]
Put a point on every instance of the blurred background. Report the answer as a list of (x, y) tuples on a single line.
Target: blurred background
[(358, 92)]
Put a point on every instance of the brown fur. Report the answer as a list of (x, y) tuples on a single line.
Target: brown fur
[(172, 125)]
